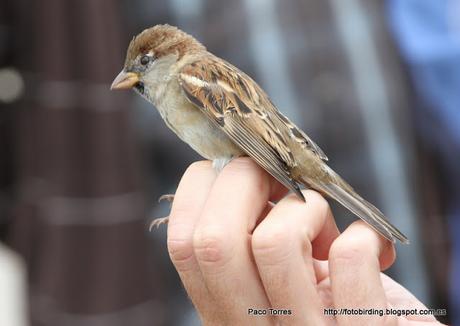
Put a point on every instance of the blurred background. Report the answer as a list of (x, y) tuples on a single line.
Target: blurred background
[(376, 83)]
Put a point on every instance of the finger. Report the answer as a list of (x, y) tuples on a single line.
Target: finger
[(329, 232), (268, 207), (186, 209), (323, 285), (400, 298), (238, 197), (354, 266), (277, 190), (321, 268), (283, 253)]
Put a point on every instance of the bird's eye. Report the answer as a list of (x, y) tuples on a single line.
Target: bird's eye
[(145, 59)]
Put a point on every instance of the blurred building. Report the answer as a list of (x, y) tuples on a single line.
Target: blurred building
[(81, 167)]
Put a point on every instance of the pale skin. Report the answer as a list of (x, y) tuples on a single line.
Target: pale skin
[(234, 250)]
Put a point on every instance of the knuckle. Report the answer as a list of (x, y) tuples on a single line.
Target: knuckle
[(181, 252), (270, 243), (212, 246), (183, 210), (316, 199), (346, 250)]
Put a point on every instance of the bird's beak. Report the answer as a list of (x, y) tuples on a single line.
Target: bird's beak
[(125, 80)]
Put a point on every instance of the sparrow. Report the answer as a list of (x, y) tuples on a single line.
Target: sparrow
[(222, 113)]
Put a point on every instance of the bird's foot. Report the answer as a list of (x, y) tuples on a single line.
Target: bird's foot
[(162, 220), (157, 222)]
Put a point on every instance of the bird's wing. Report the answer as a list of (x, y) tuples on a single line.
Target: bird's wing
[(244, 112)]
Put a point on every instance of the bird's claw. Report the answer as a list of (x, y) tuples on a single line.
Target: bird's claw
[(168, 197), (162, 220), (157, 222)]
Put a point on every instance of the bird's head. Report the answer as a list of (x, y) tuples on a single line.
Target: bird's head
[(150, 56)]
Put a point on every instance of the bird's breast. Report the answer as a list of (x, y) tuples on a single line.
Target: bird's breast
[(192, 126)]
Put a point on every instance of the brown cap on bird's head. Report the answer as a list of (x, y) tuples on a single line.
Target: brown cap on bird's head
[(152, 44), (162, 40)]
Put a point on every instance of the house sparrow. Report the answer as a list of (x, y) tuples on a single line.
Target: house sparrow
[(222, 113)]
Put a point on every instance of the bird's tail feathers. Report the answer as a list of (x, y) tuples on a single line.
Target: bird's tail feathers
[(343, 193)]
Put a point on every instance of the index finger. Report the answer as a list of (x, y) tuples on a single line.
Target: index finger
[(221, 238), (186, 209)]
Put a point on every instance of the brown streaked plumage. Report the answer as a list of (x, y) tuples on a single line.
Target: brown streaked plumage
[(222, 113)]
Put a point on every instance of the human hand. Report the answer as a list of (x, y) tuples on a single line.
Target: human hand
[(235, 251)]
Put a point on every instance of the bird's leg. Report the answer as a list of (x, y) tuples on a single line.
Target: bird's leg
[(162, 220), (219, 163)]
